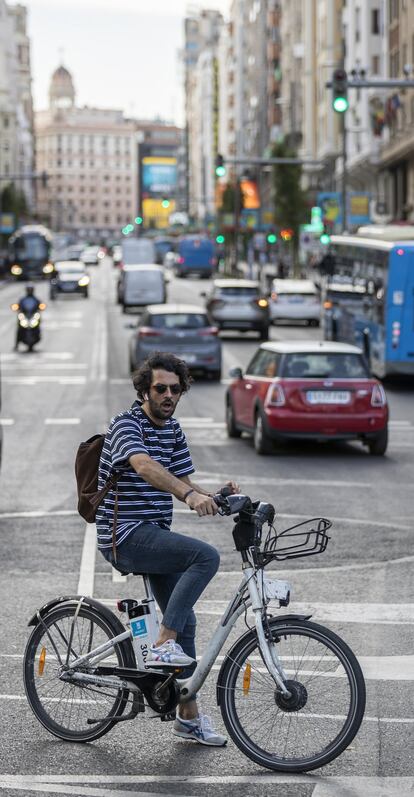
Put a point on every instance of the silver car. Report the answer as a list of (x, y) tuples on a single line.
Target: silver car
[(238, 304), (295, 300), (182, 329)]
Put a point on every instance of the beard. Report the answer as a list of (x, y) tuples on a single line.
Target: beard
[(162, 410)]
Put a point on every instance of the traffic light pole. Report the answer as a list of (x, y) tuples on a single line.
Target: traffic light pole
[(344, 175)]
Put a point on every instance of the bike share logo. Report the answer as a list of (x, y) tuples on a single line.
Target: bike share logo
[(139, 627)]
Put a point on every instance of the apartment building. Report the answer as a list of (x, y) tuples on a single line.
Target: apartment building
[(16, 107)]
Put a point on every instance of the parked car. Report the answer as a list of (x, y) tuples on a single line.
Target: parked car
[(181, 328), (139, 285), (317, 391), (92, 255), (238, 304), (69, 276), (295, 300), (138, 251), (195, 255)]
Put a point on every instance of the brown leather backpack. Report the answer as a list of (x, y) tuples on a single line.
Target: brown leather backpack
[(86, 472)]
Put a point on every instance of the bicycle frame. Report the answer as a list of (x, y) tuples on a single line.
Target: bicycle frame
[(189, 686)]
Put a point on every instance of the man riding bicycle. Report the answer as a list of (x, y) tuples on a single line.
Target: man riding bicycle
[(147, 444)]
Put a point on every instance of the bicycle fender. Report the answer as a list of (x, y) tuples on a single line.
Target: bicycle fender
[(47, 607), (231, 653)]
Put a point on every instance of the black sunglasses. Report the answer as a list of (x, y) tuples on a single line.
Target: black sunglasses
[(175, 389)]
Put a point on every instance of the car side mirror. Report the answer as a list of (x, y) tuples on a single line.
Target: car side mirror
[(236, 373)]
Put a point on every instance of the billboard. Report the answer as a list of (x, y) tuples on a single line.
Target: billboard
[(159, 175), (330, 203)]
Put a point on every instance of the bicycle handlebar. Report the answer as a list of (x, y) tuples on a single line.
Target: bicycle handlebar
[(234, 503)]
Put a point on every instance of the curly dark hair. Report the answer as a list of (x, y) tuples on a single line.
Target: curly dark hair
[(142, 378)]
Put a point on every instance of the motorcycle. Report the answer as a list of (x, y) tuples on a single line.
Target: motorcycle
[(28, 325)]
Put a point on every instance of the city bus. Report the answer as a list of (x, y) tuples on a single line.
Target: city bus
[(368, 295), (29, 251)]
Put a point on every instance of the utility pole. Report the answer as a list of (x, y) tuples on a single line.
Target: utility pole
[(344, 175)]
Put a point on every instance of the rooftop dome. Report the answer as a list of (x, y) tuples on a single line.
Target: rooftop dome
[(62, 90)]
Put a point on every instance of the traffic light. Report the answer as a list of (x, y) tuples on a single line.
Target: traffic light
[(340, 102), (138, 220), (220, 167), (271, 238), (325, 236), (165, 203), (286, 234), (220, 239)]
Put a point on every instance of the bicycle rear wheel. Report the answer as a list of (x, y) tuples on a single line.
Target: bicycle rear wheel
[(325, 710), (63, 708)]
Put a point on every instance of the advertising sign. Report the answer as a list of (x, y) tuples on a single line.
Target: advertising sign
[(7, 222), (159, 176), (330, 203)]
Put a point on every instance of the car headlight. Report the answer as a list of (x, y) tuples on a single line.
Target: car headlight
[(16, 270), (48, 268), (83, 282)]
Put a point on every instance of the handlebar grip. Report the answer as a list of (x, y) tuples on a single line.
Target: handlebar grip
[(225, 492)]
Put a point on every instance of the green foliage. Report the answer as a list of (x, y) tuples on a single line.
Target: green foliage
[(13, 201), (290, 201), (229, 199)]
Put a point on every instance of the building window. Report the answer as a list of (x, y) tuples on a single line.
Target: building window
[(6, 121), (375, 65), (375, 21)]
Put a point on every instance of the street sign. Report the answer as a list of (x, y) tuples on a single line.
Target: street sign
[(7, 222)]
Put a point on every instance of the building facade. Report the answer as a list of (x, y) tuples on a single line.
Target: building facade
[(90, 157), (16, 107)]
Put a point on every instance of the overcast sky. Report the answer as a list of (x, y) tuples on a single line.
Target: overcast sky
[(121, 53)]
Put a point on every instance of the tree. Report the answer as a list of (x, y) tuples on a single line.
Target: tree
[(290, 200), (228, 204)]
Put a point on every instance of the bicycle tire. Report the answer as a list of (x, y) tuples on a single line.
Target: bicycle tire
[(62, 694), (309, 722)]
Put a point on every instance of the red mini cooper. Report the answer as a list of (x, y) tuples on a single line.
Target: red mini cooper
[(308, 390)]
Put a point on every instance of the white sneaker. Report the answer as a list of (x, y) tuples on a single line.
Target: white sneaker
[(168, 653), (198, 730)]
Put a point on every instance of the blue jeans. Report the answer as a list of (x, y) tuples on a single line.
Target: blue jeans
[(179, 570)]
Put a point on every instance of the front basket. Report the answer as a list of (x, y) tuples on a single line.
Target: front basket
[(304, 539)]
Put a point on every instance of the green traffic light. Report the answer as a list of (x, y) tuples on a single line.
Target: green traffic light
[(271, 239), (220, 239), (340, 104), (220, 171), (165, 203), (325, 238), (138, 220)]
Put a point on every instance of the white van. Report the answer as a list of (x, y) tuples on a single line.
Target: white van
[(141, 285), (138, 251)]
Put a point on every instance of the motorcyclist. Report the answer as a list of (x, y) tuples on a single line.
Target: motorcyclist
[(28, 304)]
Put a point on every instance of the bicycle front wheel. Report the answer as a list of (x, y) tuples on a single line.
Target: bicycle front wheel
[(62, 707), (325, 709)]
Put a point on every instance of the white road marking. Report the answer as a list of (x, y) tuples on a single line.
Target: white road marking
[(54, 325), (6, 421), (39, 513), (44, 355), (120, 381), (324, 786), (87, 567), (195, 419), (41, 380), (117, 578), (62, 421)]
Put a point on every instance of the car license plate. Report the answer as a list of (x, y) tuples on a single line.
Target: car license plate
[(188, 358), (69, 286), (328, 396)]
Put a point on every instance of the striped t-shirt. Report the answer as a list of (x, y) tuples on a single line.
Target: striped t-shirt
[(132, 432)]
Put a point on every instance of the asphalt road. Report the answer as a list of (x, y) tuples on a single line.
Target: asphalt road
[(362, 586)]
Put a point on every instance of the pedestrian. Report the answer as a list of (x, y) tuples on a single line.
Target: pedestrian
[(148, 444)]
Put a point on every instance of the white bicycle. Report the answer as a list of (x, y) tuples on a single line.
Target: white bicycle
[(291, 692)]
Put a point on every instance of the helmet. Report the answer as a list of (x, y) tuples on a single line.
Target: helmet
[(30, 290)]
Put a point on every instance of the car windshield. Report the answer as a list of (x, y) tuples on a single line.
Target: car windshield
[(332, 365), (238, 292), (179, 321), (69, 268)]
